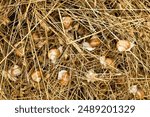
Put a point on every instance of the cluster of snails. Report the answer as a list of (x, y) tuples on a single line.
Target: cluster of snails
[(90, 45), (15, 71), (55, 53)]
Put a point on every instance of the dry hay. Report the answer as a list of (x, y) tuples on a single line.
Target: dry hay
[(30, 28)]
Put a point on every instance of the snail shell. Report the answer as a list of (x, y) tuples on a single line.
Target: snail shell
[(63, 77), (36, 76), (94, 41), (123, 45), (67, 21)]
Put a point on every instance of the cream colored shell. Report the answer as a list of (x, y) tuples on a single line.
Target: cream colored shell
[(94, 41), (12, 73), (63, 77), (106, 61), (67, 21), (137, 92), (36, 76), (87, 46), (15, 71), (54, 54), (124, 45)]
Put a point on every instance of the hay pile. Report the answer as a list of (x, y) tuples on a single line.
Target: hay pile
[(30, 28)]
